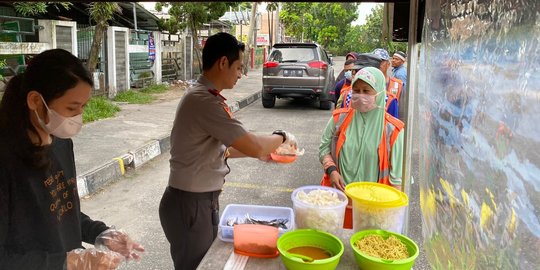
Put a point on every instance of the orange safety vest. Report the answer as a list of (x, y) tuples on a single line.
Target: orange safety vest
[(343, 95), (392, 127), (395, 86)]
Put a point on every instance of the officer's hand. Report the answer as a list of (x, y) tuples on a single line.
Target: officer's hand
[(266, 158), (290, 140)]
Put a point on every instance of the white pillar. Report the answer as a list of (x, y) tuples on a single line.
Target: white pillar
[(158, 61), (111, 58), (111, 62), (48, 33)]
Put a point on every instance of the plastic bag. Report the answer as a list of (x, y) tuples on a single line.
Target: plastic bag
[(118, 241)]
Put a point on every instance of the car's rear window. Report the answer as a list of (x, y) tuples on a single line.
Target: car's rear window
[(293, 55)]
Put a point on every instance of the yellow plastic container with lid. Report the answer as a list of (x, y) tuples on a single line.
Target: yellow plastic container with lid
[(377, 206)]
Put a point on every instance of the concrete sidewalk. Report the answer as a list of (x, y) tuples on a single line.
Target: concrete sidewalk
[(105, 149)]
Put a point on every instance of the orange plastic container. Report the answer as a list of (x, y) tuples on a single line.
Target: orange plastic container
[(256, 240), (283, 158)]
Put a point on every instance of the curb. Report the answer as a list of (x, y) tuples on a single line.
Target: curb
[(95, 179)]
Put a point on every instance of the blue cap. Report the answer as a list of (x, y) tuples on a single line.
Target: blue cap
[(382, 53)]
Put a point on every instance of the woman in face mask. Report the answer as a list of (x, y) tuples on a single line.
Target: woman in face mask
[(42, 226), (363, 142)]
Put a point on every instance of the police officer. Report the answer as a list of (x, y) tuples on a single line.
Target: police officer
[(204, 135)]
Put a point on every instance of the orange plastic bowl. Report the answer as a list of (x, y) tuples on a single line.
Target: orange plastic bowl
[(283, 159)]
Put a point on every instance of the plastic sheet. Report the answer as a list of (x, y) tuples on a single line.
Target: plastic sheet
[(478, 103)]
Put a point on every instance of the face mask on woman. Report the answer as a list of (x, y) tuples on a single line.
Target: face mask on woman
[(364, 102), (348, 75), (60, 126)]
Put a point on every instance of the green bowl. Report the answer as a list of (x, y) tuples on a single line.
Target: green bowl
[(312, 238), (366, 262)]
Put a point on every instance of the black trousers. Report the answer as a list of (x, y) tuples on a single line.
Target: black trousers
[(190, 222)]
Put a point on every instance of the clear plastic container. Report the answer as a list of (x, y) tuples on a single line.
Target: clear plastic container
[(261, 212), (328, 218), (256, 240), (377, 206)]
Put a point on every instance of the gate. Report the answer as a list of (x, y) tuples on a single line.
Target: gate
[(85, 37), (172, 58)]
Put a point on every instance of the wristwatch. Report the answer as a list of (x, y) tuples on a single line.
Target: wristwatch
[(331, 169), (281, 133)]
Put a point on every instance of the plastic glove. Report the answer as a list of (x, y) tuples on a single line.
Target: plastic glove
[(290, 139), (118, 241), (93, 259)]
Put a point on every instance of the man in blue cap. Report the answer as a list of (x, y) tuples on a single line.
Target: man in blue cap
[(393, 85)]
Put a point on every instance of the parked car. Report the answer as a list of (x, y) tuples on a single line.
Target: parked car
[(298, 70)]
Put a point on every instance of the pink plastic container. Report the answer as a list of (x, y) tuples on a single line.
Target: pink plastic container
[(256, 240)]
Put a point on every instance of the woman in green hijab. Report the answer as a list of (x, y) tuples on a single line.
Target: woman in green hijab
[(363, 142)]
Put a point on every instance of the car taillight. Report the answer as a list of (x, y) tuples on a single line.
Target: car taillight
[(318, 64), (270, 64)]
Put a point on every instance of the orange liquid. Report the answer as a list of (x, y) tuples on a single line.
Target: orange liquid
[(313, 252)]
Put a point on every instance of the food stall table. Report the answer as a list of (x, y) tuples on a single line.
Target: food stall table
[(221, 256)]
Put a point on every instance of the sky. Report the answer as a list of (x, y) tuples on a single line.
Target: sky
[(364, 9)]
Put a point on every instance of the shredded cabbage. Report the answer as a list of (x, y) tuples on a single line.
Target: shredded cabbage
[(390, 219), (313, 217)]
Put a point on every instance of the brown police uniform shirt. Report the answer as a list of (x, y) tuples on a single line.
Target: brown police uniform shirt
[(203, 129)]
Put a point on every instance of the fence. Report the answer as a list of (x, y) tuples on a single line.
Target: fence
[(85, 38), (140, 68)]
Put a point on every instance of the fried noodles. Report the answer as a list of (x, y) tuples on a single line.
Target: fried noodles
[(389, 249)]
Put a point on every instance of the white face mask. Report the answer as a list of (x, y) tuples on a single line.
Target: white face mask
[(348, 75), (60, 126), (364, 102)]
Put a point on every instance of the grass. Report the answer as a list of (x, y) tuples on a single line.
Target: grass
[(99, 108), (134, 97), (155, 89), (142, 96)]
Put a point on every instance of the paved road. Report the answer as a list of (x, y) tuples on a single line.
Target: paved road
[(132, 203)]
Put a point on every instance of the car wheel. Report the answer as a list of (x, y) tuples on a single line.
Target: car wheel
[(268, 101), (325, 104)]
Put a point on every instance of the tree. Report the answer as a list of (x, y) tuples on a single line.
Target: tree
[(292, 17), (252, 42), (323, 23), (100, 12), (367, 37), (270, 8), (36, 8), (192, 16)]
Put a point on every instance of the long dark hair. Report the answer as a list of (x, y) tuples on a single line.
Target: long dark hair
[(51, 73)]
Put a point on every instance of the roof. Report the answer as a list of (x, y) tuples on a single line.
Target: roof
[(235, 17), (79, 12), (145, 19)]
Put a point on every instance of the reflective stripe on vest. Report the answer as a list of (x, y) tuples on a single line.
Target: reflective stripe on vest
[(392, 127)]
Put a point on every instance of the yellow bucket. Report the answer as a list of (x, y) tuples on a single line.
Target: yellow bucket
[(377, 206)]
